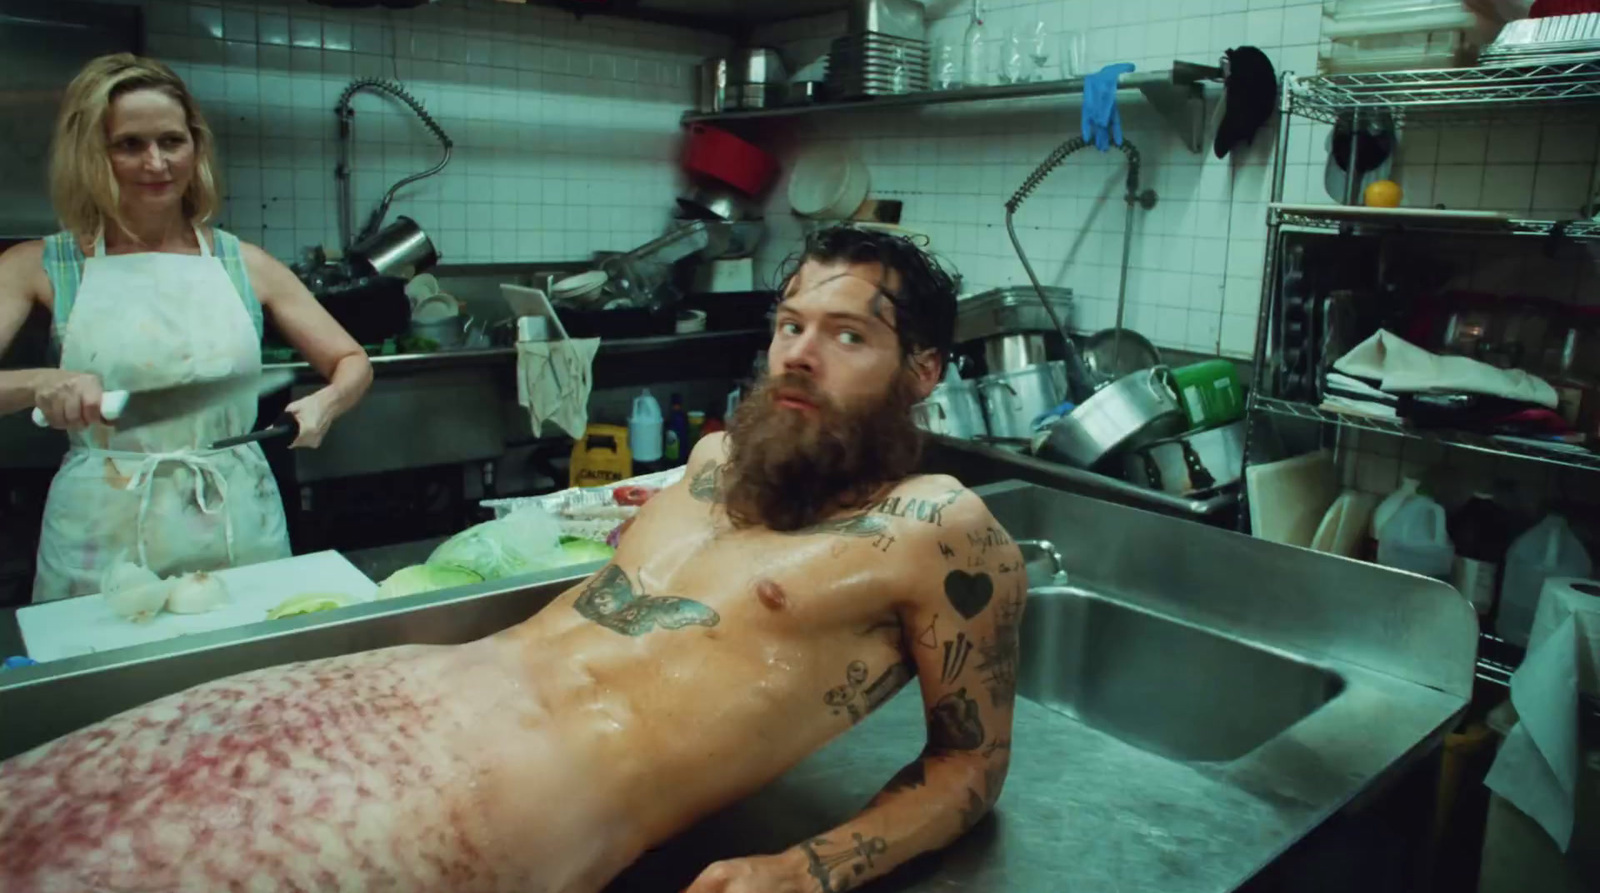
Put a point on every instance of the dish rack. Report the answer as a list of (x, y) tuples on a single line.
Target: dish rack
[(590, 513)]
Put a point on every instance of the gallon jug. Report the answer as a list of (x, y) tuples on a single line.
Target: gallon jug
[(1548, 549), (1414, 539), (600, 457), (644, 428)]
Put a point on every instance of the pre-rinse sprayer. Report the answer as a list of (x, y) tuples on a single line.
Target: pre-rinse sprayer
[(1078, 382), (343, 173)]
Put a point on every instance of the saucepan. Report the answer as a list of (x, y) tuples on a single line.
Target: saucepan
[(1132, 410), (953, 410), (1189, 463)]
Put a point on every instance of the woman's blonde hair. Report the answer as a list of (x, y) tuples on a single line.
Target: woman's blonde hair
[(82, 184)]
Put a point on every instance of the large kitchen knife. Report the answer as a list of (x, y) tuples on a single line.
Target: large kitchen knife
[(131, 409)]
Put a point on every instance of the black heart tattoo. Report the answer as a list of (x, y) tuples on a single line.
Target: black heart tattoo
[(968, 593)]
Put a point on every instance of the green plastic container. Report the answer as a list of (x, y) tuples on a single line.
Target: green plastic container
[(1210, 393)]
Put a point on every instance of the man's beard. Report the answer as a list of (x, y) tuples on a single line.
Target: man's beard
[(788, 469)]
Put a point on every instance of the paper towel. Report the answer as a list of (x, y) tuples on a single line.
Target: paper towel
[(1537, 767)]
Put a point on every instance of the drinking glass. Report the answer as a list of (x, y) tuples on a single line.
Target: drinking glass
[(1041, 49)]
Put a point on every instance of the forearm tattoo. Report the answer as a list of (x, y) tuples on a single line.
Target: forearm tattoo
[(840, 867)]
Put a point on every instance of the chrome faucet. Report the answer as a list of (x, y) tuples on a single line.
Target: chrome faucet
[(1050, 552)]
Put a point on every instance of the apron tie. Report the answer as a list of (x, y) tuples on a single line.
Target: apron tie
[(203, 469)]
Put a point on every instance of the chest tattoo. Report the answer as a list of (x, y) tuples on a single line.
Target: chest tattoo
[(611, 601)]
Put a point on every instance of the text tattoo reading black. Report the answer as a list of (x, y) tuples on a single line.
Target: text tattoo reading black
[(610, 600)]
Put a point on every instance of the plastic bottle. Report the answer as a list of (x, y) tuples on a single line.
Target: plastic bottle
[(1391, 503), (1415, 539), (1547, 549), (1482, 531), (645, 428), (676, 445), (972, 50)]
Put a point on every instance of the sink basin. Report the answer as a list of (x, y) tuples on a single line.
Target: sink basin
[(1159, 684)]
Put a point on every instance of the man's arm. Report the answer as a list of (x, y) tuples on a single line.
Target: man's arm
[(963, 639)]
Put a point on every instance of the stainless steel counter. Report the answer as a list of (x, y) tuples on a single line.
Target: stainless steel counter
[(1154, 750)]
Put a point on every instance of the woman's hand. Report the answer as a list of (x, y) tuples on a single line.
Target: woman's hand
[(69, 400), (754, 874), (311, 413)]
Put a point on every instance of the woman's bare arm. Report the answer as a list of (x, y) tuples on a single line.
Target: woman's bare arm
[(318, 336), (69, 399)]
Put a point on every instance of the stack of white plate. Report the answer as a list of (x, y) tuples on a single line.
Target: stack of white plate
[(1530, 40), (875, 64)]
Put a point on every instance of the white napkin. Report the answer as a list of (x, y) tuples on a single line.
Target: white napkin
[(554, 379), (1537, 766), (1404, 368)]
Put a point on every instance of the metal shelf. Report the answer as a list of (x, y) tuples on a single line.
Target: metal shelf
[(1177, 94), (1451, 94), (1567, 457), (1336, 218)]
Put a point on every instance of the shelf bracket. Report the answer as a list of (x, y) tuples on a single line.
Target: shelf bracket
[(1184, 108)]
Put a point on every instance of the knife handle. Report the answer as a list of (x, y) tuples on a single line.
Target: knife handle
[(112, 403)]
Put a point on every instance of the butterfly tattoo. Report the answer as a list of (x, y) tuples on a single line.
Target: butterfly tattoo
[(611, 601)]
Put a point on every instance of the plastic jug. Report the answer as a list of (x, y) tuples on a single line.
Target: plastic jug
[(1547, 549), (645, 428), (1415, 539)]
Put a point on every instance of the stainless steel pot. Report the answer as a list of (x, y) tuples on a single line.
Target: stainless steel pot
[(1189, 463), (953, 409), (1133, 409), (1014, 352), (1012, 400), (399, 249)]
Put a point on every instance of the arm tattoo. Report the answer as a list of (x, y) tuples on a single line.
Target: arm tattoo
[(954, 724), (836, 868), (610, 600), (999, 655), (857, 697), (706, 485), (968, 593), (912, 775)]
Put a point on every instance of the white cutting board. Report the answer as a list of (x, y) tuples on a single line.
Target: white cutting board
[(74, 626)]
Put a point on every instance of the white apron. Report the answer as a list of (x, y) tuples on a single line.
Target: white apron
[(155, 495)]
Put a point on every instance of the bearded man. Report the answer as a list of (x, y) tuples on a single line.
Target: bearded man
[(796, 578)]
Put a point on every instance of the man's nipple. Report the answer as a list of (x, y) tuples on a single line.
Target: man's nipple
[(771, 595)]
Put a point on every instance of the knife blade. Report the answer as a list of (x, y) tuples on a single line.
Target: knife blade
[(284, 424), (132, 409)]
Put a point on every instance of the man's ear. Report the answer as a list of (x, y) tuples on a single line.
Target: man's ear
[(926, 369)]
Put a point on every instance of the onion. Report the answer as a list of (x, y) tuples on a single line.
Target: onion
[(134, 593), (197, 593)]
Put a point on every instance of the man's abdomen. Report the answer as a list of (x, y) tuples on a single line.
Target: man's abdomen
[(341, 774)]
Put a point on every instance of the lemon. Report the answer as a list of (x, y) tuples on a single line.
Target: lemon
[(1383, 194)]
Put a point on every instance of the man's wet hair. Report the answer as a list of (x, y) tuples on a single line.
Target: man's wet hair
[(925, 300)]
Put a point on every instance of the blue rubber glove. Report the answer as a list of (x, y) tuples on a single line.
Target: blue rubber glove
[(1102, 125)]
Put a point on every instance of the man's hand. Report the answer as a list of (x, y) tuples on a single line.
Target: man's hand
[(753, 874)]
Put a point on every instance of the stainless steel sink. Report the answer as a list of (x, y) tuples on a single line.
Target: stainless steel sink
[(1160, 684)]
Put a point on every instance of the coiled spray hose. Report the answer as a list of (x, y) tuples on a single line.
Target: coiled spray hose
[(1077, 375), (342, 172)]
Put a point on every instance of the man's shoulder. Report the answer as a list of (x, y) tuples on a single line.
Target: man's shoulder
[(941, 503)]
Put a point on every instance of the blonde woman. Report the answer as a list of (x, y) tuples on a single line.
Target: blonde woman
[(143, 294)]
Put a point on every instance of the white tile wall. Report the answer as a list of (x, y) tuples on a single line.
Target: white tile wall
[(1196, 266), (565, 131)]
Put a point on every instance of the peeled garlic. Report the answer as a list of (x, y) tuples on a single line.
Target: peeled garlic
[(197, 593), (133, 592)]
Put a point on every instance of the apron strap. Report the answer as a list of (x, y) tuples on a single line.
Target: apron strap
[(203, 469), (100, 242)]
